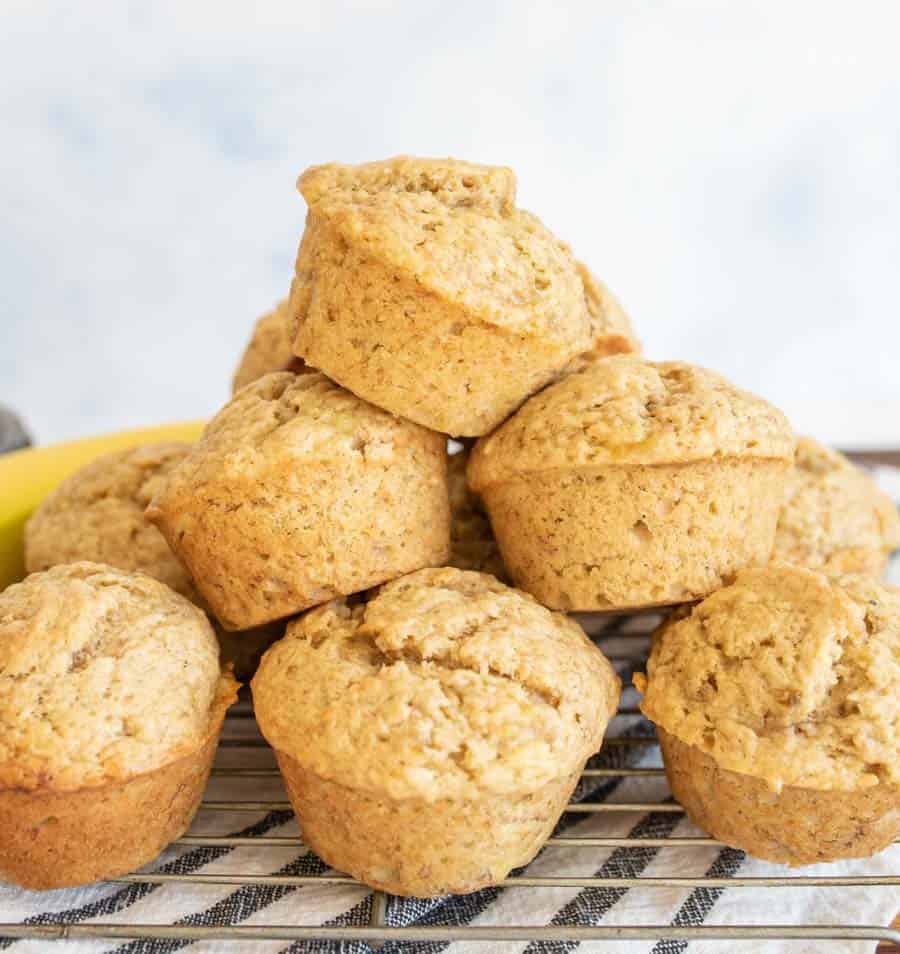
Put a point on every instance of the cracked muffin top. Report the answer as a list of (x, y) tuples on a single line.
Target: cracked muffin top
[(283, 416), (786, 675), (446, 683), (624, 410), (834, 518), (453, 228), (104, 675), (98, 514), (269, 349)]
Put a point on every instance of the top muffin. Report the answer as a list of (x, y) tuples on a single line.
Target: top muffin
[(446, 684), (98, 514), (626, 411), (785, 675), (834, 518), (424, 289), (103, 675), (269, 349)]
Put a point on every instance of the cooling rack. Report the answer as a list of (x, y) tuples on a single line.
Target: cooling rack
[(625, 641)]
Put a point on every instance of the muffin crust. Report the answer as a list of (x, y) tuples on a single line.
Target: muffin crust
[(269, 349), (834, 518), (299, 491), (788, 676), (97, 514)]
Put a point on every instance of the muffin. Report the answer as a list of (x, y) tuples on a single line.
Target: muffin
[(778, 706), (611, 331), (97, 514), (631, 483), (430, 738), (298, 492), (472, 543), (834, 518), (269, 349), (111, 703), (422, 288)]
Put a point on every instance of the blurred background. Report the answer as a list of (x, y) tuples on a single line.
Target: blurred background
[(732, 171)]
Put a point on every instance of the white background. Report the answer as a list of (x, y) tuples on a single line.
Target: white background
[(731, 170)]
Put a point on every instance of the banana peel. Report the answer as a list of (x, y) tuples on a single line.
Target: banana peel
[(27, 476)]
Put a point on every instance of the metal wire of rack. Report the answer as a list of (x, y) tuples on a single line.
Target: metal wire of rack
[(242, 736)]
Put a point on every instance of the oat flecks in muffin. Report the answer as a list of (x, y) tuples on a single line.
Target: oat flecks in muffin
[(834, 518), (625, 410), (786, 675), (97, 514), (269, 349), (420, 286), (104, 675), (300, 491), (446, 684)]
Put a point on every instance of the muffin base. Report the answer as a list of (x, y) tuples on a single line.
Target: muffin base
[(420, 849), (796, 826), (63, 839), (616, 538)]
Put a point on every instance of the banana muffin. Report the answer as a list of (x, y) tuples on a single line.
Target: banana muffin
[(269, 349), (111, 703), (778, 706), (631, 483), (422, 287), (472, 543), (834, 518), (611, 330), (97, 514), (299, 491), (430, 738)]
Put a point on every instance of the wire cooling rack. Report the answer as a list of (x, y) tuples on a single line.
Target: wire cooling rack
[(241, 740)]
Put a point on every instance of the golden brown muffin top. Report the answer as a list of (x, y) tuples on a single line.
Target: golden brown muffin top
[(104, 675), (786, 675), (284, 415), (624, 410), (834, 518), (472, 543), (451, 181), (269, 349), (98, 514), (453, 228), (445, 684)]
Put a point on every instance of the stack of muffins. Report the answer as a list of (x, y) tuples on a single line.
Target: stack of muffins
[(429, 719)]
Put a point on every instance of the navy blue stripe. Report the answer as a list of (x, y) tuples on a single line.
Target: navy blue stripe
[(700, 901)]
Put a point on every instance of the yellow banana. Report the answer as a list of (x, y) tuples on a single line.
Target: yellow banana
[(27, 476)]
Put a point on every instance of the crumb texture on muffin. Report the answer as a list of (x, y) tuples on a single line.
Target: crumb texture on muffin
[(298, 492), (611, 330), (104, 675), (472, 543), (786, 675), (835, 518), (269, 349), (624, 410), (97, 514), (447, 684)]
